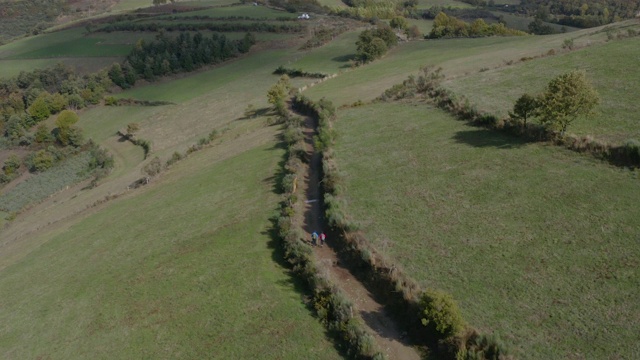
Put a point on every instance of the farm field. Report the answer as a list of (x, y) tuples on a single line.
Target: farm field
[(177, 277), (536, 243), (607, 67)]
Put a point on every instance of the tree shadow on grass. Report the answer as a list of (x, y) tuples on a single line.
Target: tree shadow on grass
[(483, 138), (257, 113), (345, 59)]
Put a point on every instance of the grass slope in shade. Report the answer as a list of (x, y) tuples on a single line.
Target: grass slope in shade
[(536, 243), (181, 270), (608, 68)]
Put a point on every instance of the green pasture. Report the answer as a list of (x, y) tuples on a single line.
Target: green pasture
[(203, 101), (125, 5), (256, 12), (85, 53), (608, 68), (331, 58), (71, 43), (536, 243), (457, 57), (333, 4), (183, 269), (425, 4)]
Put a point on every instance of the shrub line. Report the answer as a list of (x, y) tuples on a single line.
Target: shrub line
[(428, 84), (331, 306)]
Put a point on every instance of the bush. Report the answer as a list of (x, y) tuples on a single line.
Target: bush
[(174, 158), (11, 165), (41, 161), (440, 314), (153, 168)]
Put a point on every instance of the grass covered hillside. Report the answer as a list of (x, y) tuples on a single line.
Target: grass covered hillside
[(157, 194), (608, 68), (536, 243), (190, 273), (185, 267)]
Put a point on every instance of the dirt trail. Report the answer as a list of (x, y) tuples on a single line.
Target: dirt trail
[(389, 338)]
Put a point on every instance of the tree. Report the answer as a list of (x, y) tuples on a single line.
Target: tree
[(440, 313), (42, 134), (11, 165), (566, 98), (414, 32), (66, 134), (525, 107), (278, 93), (370, 47), (399, 22), (41, 161), (39, 110), (117, 76)]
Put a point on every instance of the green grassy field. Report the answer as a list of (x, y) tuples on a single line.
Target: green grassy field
[(458, 58), (85, 53), (212, 99), (425, 4), (330, 58), (174, 278), (125, 5), (536, 243), (71, 43), (259, 12), (607, 67)]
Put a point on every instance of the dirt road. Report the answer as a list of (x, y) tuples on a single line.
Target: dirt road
[(389, 338)]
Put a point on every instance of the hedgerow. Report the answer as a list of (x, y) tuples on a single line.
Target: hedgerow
[(428, 85), (281, 70), (333, 309)]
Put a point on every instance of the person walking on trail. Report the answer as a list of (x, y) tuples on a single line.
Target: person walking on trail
[(314, 238), (322, 238)]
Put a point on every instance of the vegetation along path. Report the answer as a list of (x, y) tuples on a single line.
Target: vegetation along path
[(389, 338)]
